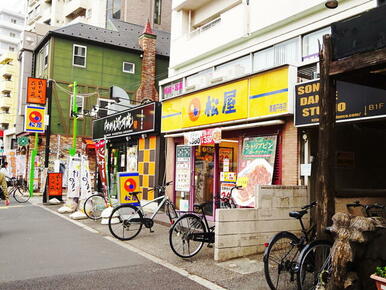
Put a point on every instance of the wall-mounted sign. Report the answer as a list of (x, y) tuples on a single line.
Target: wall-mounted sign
[(203, 137), (37, 91), (353, 102), (34, 119), (55, 184), (128, 183), (141, 119), (183, 167)]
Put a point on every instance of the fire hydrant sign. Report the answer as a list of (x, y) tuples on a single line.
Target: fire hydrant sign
[(34, 119), (128, 183)]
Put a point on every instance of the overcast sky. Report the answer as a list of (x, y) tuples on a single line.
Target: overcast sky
[(15, 5)]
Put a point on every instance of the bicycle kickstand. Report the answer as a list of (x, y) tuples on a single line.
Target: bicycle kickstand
[(151, 230)]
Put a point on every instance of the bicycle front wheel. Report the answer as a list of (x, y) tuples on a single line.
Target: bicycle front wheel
[(314, 265), (20, 195), (94, 206), (280, 260), (181, 236), (125, 222), (170, 210)]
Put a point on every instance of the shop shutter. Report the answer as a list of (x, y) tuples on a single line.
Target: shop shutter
[(278, 163)]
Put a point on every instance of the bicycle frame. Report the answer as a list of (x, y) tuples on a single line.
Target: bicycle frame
[(163, 198)]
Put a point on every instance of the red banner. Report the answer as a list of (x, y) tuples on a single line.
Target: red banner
[(55, 184), (100, 156)]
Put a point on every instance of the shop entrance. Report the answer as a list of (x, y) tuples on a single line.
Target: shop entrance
[(204, 170)]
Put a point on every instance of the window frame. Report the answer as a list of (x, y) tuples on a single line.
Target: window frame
[(73, 55), (45, 56), (125, 71)]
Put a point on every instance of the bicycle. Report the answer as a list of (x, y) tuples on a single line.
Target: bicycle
[(94, 206), (282, 251), (18, 189), (314, 262), (131, 218), (226, 200), (192, 229)]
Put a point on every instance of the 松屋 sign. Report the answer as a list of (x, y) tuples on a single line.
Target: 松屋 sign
[(34, 119)]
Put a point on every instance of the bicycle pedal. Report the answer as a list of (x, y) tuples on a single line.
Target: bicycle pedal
[(210, 246)]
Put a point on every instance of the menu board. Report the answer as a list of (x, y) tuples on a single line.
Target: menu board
[(183, 167)]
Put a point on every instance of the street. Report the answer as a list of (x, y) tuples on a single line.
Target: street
[(43, 251)]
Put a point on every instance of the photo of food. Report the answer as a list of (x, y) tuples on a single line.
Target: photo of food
[(257, 171)]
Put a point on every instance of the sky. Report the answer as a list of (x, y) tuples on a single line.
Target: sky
[(14, 5)]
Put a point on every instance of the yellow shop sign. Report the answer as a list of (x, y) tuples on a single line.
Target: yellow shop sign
[(262, 95)]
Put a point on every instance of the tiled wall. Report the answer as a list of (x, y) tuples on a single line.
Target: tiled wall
[(147, 149)]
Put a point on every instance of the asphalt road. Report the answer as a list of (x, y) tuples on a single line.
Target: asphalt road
[(40, 250)]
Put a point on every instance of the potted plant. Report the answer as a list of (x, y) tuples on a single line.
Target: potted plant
[(380, 278)]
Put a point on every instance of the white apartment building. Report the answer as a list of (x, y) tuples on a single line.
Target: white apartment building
[(58, 13), (11, 27), (216, 41)]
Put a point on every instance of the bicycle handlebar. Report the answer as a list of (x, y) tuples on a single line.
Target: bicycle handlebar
[(312, 204)]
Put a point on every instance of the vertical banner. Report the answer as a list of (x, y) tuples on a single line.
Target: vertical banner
[(36, 91), (101, 162), (73, 189), (55, 184), (128, 183), (85, 180)]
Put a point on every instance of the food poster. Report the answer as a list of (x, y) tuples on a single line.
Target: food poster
[(128, 183), (183, 167), (225, 192), (256, 166)]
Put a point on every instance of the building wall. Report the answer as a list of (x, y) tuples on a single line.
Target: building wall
[(139, 11), (250, 27), (290, 154), (10, 42)]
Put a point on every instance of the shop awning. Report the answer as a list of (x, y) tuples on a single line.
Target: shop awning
[(236, 127), (89, 143)]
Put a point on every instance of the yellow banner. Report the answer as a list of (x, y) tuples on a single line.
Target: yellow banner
[(128, 183), (268, 93), (34, 119), (262, 95)]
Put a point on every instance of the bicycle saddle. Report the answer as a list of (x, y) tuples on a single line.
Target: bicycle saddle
[(297, 214)]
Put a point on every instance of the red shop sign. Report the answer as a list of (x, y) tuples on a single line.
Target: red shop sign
[(55, 184)]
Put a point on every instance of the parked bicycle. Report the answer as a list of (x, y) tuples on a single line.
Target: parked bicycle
[(314, 262), (281, 253), (189, 233), (226, 200), (126, 220), (94, 206), (18, 189)]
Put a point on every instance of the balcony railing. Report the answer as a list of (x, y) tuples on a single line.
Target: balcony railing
[(75, 8)]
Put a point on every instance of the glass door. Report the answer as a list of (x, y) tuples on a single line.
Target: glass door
[(204, 177)]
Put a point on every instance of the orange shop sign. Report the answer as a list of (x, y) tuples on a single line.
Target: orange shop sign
[(37, 91)]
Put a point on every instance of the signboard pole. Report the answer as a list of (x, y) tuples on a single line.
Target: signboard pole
[(32, 166), (74, 114)]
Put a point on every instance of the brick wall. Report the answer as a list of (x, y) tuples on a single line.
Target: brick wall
[(147, 89), (290, 154)]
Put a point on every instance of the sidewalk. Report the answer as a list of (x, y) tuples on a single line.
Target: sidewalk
[(243, 273)]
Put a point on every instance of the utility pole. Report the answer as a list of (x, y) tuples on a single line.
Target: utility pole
[(325, 181), (74, 114), (48, 136)]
